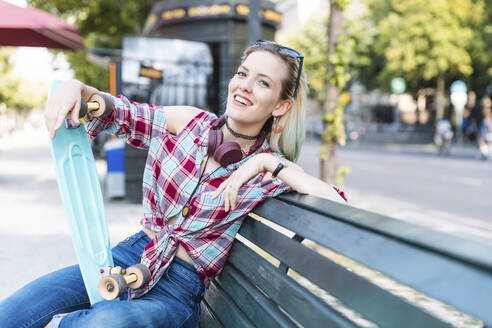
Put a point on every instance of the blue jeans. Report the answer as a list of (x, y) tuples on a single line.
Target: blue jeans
[(173, 302)]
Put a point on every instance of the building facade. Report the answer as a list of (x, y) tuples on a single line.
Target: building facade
[(223, 25)]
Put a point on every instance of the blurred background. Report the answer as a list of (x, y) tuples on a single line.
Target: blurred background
[(399, 109)]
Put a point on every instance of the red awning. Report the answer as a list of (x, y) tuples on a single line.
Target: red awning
[(31, 27)]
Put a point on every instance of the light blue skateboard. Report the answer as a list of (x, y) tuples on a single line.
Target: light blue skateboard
[(84, 206), (82, 199)]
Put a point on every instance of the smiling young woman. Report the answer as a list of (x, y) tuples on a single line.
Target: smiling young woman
[(203, 173)]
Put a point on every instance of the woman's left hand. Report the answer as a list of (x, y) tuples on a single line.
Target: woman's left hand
[(238, 178)]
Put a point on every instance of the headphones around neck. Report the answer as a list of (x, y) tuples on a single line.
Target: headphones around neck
[(229, 152)]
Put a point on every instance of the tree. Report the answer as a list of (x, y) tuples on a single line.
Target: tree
[(333, 129), (111, 19), (103, 24), (15, 92), (426, 41), (480, 51), (329, 72), (6, 71), (88, 72), (311, 41)]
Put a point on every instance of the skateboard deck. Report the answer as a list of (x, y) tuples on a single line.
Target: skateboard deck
[(82, 199)]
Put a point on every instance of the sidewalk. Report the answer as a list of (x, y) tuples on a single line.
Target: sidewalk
[(457, 151), (34, 235)]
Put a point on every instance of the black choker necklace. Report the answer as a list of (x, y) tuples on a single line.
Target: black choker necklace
[(239, 135)]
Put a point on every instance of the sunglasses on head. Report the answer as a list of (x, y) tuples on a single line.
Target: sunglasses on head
[(289, 51)]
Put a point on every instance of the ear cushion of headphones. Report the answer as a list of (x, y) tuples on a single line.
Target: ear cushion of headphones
[(224, 153), (228, 153), (214, 141)]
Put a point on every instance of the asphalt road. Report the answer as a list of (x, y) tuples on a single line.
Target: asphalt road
[(415, 184), (459, 186)]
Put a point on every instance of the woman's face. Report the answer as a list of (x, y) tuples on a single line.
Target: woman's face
[(254, 91)]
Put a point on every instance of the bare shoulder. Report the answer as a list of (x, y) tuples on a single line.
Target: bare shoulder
[(177, 117)]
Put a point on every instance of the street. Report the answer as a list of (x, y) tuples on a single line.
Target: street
[(459, 186), (448, 194)]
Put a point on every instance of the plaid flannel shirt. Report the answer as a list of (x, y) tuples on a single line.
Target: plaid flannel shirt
[(171, 173)]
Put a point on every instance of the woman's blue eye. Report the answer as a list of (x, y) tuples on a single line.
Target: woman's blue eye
[(242, 74), (264, 83)]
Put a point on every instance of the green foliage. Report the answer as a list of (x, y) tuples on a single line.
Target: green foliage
[(427, 38), (422, 40), (480, 50), (28, 95), (5, 66), (342, 4), (312, 42), (341, 173), (102, 24), (341, 60), (18, 94), (367, 61), (334, 127), (110, 18), (88, 72)]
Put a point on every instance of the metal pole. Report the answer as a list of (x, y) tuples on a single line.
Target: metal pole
[(254, 24)]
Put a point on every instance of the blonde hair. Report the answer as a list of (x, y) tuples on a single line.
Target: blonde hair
[(289, 141)]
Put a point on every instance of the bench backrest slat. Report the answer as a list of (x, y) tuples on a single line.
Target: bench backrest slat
[(251, 291), (207, 317), (296, 300), (419, 267), (466, 250), (373, 302), (255, 304), (228, 313)]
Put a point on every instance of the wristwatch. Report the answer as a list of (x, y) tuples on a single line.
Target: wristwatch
[(282, 163)]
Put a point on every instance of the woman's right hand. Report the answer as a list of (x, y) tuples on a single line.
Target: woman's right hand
[(65, 104)]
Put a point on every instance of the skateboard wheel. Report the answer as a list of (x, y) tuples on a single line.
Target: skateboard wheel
[(105, 105), (142, 273), (112, 286), (83, 108)]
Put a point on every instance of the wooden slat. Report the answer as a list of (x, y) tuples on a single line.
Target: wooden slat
[(284, 267), (373, 302), (260, 310), (207, 317), (466, 285), (229, 314), (463, 249), (301, 304)]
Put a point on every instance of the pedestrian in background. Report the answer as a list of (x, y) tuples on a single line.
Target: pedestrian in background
[(485, 133)]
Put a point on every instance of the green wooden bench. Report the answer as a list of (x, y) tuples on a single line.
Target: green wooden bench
[(252, 292)]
